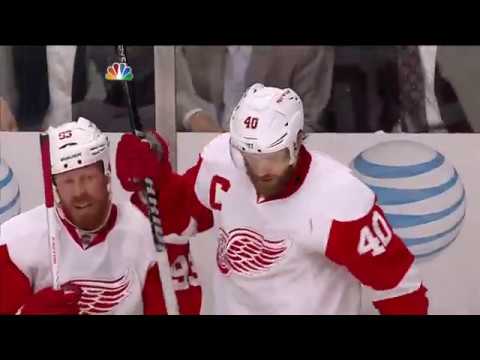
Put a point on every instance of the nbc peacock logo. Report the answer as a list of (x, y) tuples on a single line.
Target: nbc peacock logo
[(119, 71)]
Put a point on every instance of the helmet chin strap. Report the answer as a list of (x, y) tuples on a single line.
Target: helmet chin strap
[(237, 157), (64, 217), (294, 149)]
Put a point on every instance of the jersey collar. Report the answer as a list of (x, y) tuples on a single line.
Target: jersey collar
[(98, 237)]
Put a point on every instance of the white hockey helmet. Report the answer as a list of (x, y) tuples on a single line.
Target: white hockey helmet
[(266, 120), (77, 144)]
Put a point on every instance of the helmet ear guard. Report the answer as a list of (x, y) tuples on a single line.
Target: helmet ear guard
[(267, 120)]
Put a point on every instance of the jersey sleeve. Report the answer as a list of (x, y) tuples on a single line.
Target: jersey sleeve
[(14, 285), (184, 278), (153, 300), (185, 282), (365, 243), (180, 210), (182, 216), (200, 210)]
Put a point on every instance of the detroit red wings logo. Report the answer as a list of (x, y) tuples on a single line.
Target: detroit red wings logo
[(245, 252), (100, 297)]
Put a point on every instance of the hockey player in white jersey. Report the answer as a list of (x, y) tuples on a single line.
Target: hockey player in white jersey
[(107, 261), (297, 232)]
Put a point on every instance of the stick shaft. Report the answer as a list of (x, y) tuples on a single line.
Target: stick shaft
[(49, 204), (136, 127)]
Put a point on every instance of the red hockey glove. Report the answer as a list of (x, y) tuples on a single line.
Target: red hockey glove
[(53, 302), (137, 159)]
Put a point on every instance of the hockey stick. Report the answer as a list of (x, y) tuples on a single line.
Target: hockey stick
[(49, 204), (150, 195)]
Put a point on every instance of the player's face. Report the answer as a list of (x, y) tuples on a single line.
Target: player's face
[(84, 195), (268, 172)]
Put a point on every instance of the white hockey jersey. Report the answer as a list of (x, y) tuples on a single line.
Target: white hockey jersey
[(111, 270), (309, 250)]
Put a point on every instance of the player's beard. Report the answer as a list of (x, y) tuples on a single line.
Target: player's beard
[(270, 185), (91, 217)]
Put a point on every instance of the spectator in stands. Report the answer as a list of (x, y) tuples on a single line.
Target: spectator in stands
[(48, 80), (111, 110), (43, 79), (211, 79), (7, 119), (392, 88)]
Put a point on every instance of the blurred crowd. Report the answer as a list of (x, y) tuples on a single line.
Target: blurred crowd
[(343, 88)]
